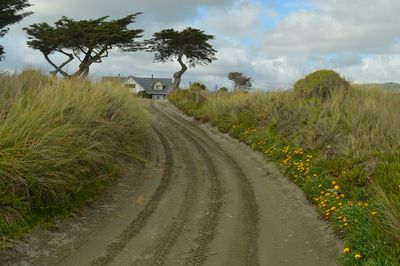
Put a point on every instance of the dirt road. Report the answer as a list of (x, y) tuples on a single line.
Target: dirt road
[(202, 199)]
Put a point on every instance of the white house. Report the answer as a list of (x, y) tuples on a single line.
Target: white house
[(157, 88)]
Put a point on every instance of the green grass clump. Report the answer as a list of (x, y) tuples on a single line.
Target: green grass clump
[(321, 83), (61, 141), (343, 151)]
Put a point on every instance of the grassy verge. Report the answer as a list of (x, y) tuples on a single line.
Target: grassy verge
[(61, 142), (342, 151)]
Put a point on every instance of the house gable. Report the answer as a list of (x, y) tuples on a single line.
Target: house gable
[(133, 85), (155, 86), (158, 86)]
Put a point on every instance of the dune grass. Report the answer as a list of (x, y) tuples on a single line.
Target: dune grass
[(343, 151), (61, 142)]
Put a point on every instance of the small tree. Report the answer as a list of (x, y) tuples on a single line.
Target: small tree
[(87, 40), (9, 14), (189, 47), (198, 86), (241, 82)]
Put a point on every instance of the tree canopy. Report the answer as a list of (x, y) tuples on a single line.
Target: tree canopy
[(241, 82), (189, 47), (10, 14), (198, 86), (86, 40)]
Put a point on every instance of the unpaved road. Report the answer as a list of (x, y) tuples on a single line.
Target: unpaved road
[(201, 199)]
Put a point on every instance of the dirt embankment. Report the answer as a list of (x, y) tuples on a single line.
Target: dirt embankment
[(202, 198)]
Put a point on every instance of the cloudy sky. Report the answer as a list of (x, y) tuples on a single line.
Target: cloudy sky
[(273, 41)]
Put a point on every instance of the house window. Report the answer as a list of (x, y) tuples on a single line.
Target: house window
[(158, 86), (130, 85)]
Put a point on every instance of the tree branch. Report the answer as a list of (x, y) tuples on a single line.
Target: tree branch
[(77, 56), (58, 68)]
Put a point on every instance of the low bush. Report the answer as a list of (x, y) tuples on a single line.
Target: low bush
[(321, 83)]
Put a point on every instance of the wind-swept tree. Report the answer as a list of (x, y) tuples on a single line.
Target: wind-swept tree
[(241, 82), (189, 47), (9, 14), (89, 41)]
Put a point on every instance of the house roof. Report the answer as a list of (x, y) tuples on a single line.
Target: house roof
[(112, 78), (146, 83)]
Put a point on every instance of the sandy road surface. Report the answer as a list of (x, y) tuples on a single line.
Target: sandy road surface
[(202, 199)]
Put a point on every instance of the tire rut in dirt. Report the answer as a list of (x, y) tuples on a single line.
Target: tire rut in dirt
[(139, 222), (157, 253), (209, 222), (250, 208)]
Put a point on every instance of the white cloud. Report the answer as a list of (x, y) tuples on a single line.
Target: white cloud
[(277, 71), (335, 26), (241, 20), (359, 38), (377, 68)]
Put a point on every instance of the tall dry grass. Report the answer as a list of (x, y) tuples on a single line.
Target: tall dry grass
[(353, 123), (353, 138), (60, 139)]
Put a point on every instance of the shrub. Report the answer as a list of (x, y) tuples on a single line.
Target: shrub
[(198, 86), (320, 84)]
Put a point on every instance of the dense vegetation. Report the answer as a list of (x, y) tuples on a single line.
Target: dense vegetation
[(10, 14), (342, 148), (61, 141), (88, 41)]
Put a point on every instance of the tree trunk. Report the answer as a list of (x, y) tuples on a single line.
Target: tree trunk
[(82, 72), (58, 68), (178, 75), (84, 66), (197, 95)]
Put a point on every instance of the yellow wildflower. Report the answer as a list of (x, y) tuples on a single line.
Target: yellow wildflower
[(346, 250), (357, 256), (373, 213)]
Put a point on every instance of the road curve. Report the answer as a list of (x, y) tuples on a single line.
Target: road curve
[(204, 199)]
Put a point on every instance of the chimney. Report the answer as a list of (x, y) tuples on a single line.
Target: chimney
[(152, 78)]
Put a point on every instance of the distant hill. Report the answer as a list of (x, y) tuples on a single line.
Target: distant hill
[(393, 86)]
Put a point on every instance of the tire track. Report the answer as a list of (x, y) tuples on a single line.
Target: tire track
[(250, 210), (137, 224), (209, 222), (157, 253)]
